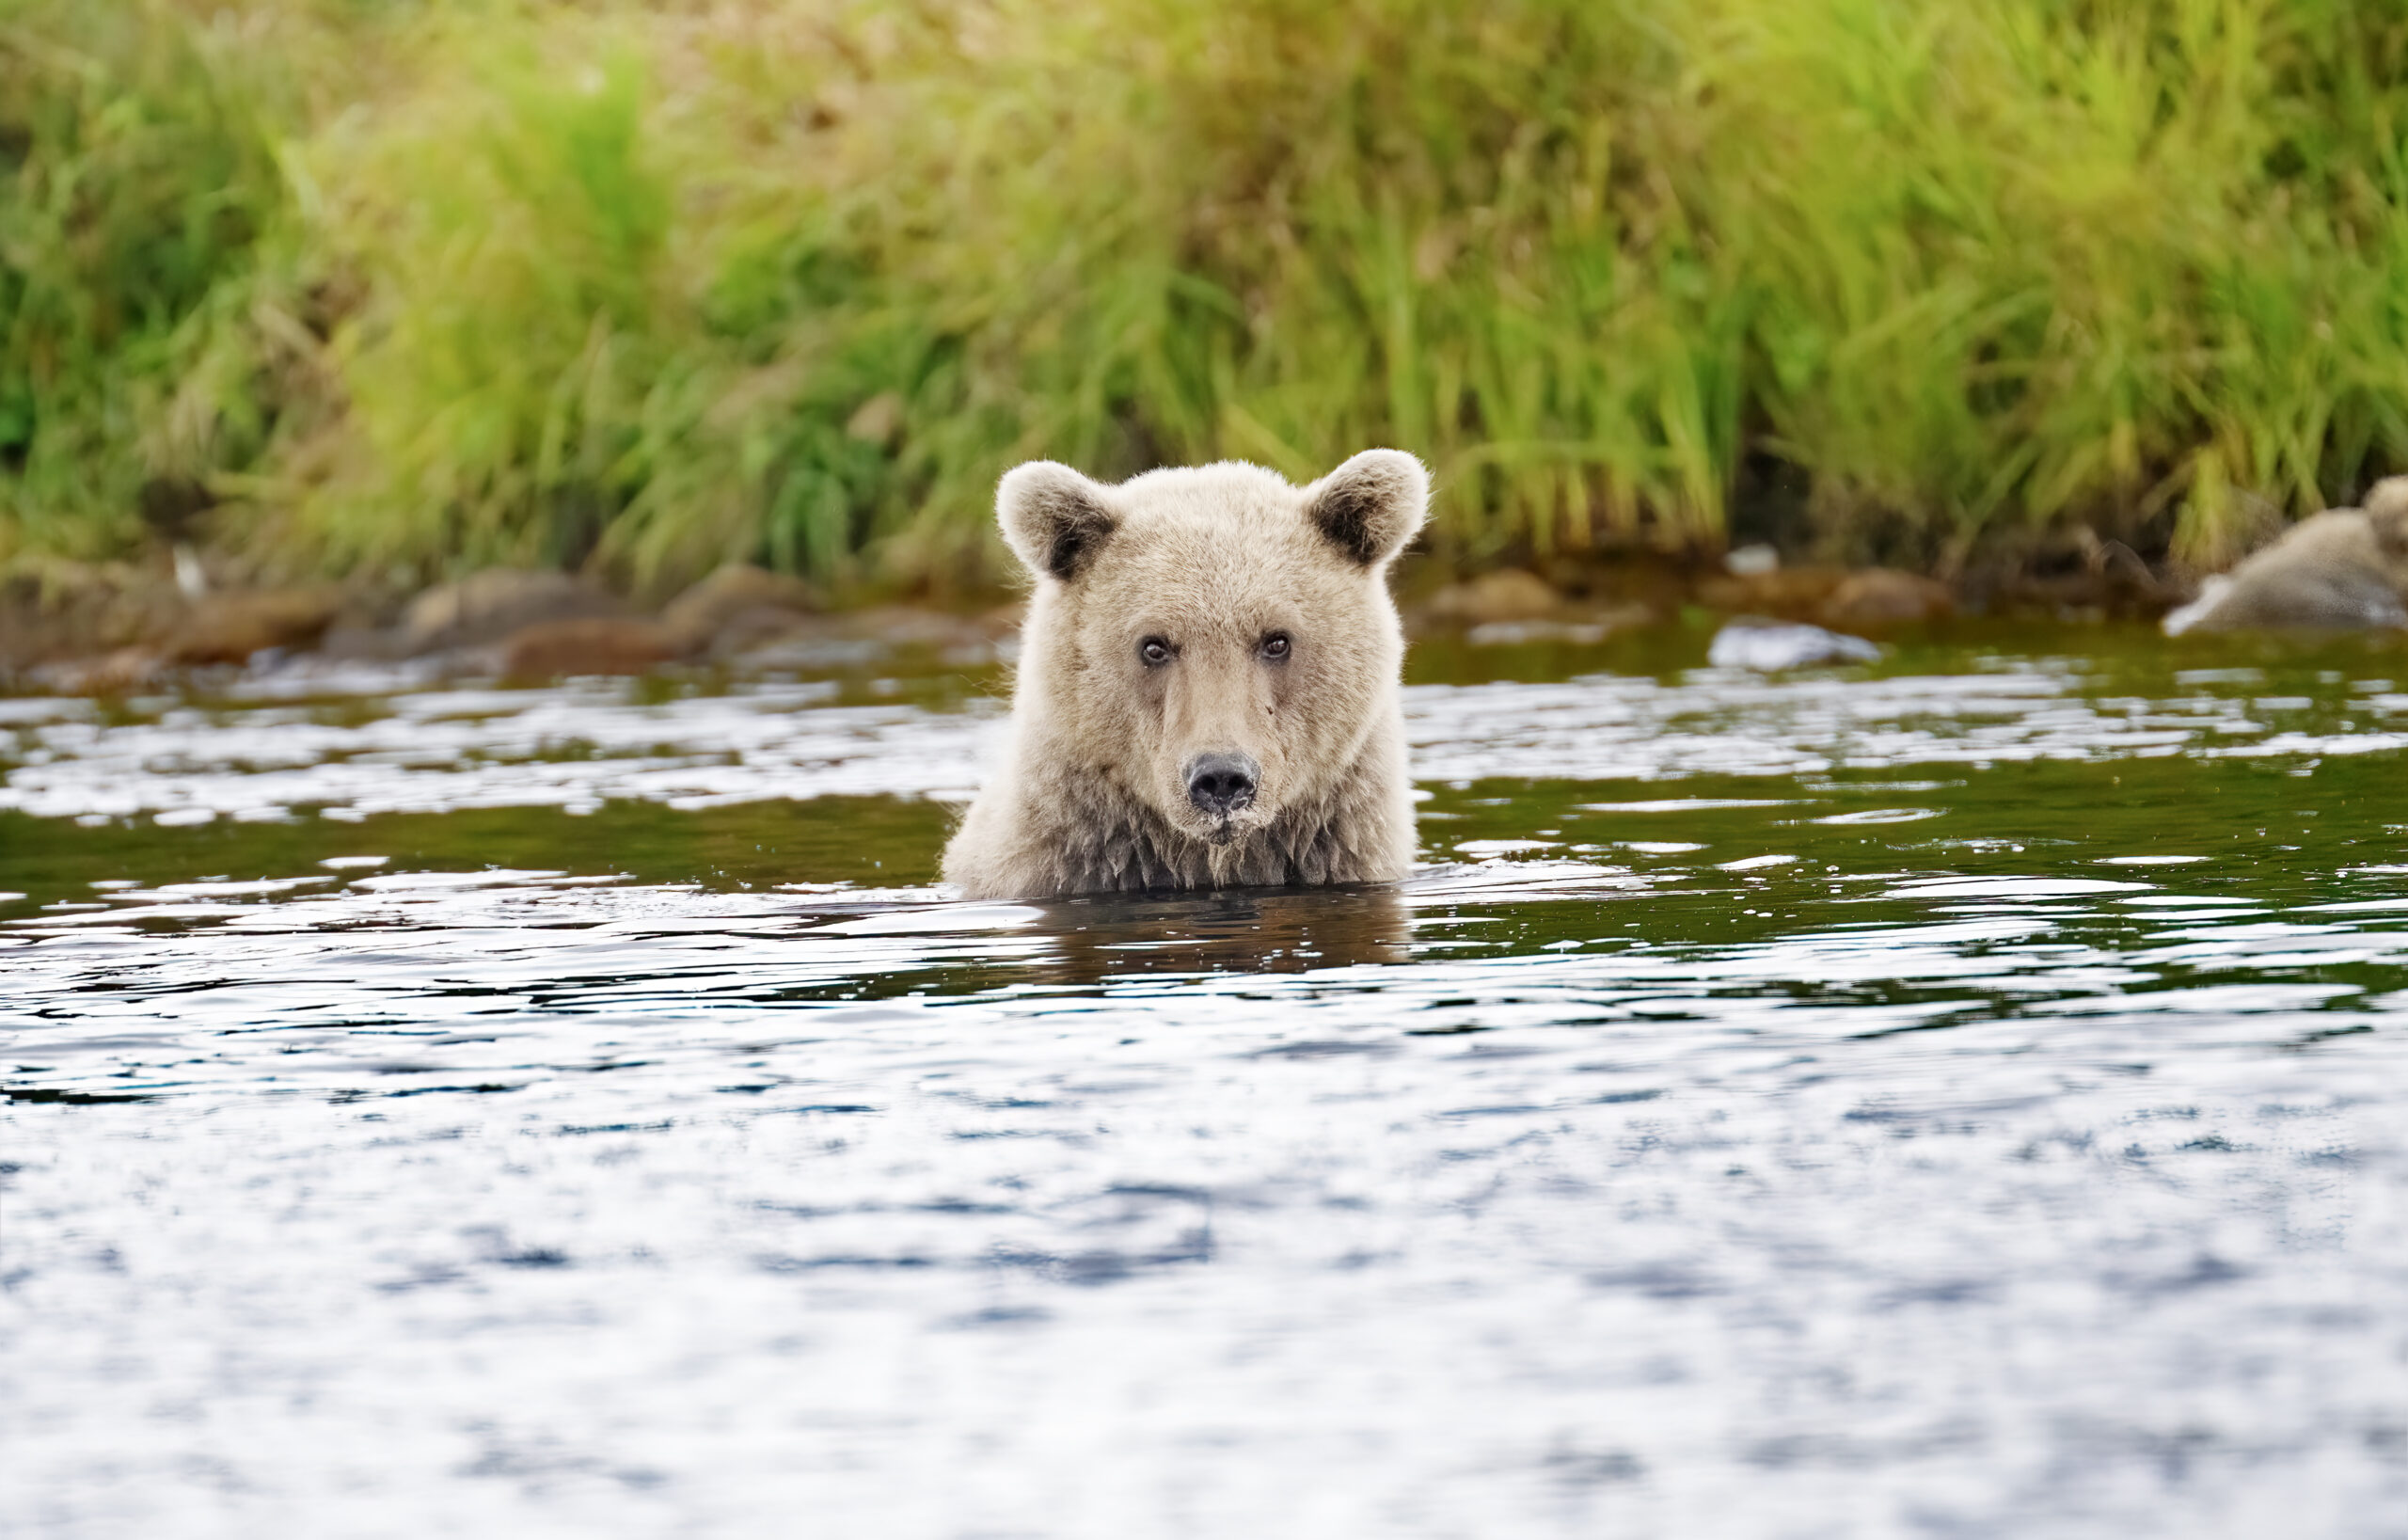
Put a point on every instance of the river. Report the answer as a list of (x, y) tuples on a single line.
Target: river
[(1959, 1095)]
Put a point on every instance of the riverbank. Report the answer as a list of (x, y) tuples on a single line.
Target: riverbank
[(109, 629), (334, 289)]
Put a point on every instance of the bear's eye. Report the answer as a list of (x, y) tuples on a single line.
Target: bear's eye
[(1275, 646), (1155, 651)]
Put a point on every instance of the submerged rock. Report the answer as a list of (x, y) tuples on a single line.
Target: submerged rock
[(556, 649), (2345, 569), (1768, 645)]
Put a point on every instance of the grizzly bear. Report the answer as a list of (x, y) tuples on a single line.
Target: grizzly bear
[(2344, 569), (1207, 688)]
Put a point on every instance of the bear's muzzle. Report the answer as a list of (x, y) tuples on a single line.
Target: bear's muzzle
[(1219, 784)]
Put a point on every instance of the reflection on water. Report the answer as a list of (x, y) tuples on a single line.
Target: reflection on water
[(1881, 1102), (1245, 933)]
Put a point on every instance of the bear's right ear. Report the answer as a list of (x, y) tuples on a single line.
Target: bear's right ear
[(1053, 518), (1372, 505)]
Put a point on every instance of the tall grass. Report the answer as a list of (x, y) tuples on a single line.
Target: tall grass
[(653, 286), (139, 182)]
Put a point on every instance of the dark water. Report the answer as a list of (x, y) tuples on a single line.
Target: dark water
[(1960, 1096)]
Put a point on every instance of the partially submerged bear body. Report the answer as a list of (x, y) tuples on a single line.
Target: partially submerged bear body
[(2344, 569), (1207, 689)]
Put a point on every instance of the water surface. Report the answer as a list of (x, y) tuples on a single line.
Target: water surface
[(1959, 1095)]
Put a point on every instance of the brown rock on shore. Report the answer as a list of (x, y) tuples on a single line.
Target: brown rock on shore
[(111, 673), (923, 627), (78, 612), (487, 607), (95, 630), (1784, 592), (230, 627), (1885, 597), (702, 612), (555, 650), (102, 633), (762, 626), (1496, 598), (1872, 596), (771, 635)]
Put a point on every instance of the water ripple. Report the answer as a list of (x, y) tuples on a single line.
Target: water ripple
[(1724, 1133)]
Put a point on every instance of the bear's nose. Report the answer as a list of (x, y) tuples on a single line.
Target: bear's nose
[(1220, 784)]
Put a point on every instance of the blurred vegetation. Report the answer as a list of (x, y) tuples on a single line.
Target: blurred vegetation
[(418, 286)]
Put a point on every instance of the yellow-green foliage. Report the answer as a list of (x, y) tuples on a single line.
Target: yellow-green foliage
[(656, 285)]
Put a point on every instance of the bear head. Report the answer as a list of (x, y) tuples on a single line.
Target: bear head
[(1217, 643)]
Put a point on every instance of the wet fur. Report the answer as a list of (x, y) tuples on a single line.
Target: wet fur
[(1081, 831), (1089, 797)]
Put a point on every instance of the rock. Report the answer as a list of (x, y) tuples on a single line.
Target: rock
[(555, 650), (102, 630), (702, 610), (1495, 597), (71, 611), (764, 625), (112, 674), (773, 639), (1885, 597), (368, 627), (486, 607), (1789, 593), (903, 626), (230, 627), (364, 644), (1828, 596), (1768, 645), (1752, 561), (2344, 569)]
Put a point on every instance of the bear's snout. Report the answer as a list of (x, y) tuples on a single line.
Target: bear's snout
[(1220, 784)]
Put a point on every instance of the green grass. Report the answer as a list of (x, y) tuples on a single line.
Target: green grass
[(423, 286)]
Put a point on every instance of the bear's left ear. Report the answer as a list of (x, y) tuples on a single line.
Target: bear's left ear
[(1372, 505)]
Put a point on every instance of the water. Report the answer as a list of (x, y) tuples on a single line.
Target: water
[(1960, 1096)]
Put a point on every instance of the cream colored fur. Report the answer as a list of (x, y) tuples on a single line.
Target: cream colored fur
[(1092, 796), (2344, 569)]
